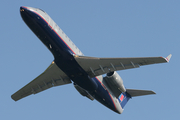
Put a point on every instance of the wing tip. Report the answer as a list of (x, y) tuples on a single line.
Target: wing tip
[(153, 92), (12, 96)]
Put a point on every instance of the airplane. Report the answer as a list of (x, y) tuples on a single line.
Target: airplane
[(71, 66)]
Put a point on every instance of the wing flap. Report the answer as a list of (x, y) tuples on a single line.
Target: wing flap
[(52, 76), (98, 66)]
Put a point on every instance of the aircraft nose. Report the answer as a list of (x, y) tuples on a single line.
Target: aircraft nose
[(22, 8)]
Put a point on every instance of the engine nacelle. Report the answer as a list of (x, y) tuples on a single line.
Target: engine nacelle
[(115, 80)]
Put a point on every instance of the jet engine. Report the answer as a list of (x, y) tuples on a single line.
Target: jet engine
[(115, 81)]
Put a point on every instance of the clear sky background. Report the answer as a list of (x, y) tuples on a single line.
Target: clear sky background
[(100, 28)]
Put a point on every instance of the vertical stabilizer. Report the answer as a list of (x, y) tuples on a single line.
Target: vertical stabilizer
[(123, 99)]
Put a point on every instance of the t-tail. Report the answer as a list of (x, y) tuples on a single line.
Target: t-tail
[(125, 96)]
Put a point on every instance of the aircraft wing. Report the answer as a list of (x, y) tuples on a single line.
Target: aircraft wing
[(52, 76), (97, 66)]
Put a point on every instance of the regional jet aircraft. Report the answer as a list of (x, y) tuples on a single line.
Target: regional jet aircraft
[(70, 65)]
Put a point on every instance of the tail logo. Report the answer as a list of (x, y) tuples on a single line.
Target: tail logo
[(121, 97)]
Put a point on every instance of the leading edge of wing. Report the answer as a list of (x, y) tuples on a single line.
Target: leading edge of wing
[(167, 59)]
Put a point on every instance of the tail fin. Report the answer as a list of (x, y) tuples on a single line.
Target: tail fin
[(124, 97)]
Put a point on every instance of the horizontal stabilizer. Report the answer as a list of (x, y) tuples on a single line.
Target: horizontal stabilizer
[(134, 92)]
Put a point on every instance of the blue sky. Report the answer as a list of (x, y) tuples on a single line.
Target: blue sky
[(116, 28)]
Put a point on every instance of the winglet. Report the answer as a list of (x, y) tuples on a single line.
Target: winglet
[(168, 57)]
